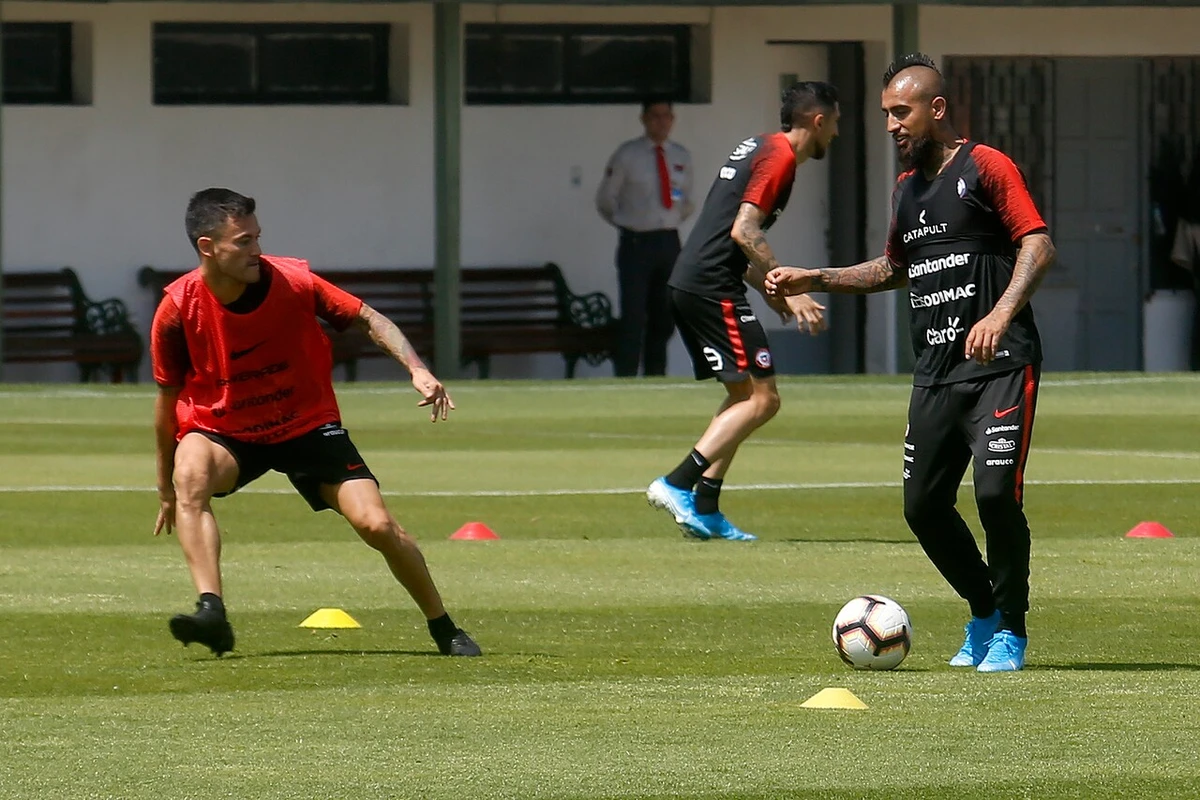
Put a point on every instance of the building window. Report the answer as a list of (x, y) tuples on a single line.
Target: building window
[(37, 63), (270, 64), (559, 64)]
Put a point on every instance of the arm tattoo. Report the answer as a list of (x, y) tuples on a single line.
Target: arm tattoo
[(876, 275), (1034, 259), (750, 237), (388, 337)]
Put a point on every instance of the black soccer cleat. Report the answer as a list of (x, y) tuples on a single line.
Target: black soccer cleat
[(209, 628), (460, 644)]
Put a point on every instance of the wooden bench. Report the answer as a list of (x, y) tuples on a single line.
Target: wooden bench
[(46, 317), (503, 311)]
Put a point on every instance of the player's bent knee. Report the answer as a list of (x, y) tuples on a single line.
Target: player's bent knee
[(379, 530)]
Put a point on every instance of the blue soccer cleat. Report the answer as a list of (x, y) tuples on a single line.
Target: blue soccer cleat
[(1006, 653), (715, 526), (979, 632), (679, 503)]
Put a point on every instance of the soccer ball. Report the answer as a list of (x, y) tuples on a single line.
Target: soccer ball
[(872, 632)]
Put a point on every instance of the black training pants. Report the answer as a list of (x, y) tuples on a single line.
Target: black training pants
[(644, 263), (991, 421)]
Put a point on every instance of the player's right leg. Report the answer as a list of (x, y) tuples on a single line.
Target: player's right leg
[(724, 340), (936, 455), (203, 468)]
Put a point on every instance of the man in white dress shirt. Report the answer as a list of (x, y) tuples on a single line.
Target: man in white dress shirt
[(646, 194)]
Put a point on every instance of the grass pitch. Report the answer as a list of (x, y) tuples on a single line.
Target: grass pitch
[(621, 660)]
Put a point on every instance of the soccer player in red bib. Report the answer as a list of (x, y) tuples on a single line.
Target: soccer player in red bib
[(970, 244), (726, 250), (244, 371)]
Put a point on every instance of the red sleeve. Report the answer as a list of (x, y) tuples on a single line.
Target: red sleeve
[(772, 170), (168, 347), (894, 249), (1005, 184), (336, 306)]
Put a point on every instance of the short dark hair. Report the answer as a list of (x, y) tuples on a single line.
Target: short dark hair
[(656, 100), (804, 100), (905, 62), (208, 210)]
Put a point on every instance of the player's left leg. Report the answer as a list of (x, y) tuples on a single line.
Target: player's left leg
[(1003, 426), (360, 502), (328, 471)]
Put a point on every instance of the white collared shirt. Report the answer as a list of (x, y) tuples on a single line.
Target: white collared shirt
[(629, 195)]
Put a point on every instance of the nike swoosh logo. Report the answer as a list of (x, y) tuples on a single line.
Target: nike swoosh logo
[(352, 467), (234, 355), (1004, 412)]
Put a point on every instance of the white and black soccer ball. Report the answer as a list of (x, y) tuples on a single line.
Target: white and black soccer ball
[(872, 632)]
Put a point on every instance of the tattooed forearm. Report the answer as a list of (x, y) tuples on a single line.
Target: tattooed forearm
[(1034, 259), (876, 275), (389, 338), (748, 233)]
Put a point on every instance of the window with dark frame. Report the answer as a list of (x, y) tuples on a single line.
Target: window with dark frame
[(563, 64), (37, 63), (270, 64)]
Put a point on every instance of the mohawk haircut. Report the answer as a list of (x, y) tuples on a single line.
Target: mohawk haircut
[(905, 62)]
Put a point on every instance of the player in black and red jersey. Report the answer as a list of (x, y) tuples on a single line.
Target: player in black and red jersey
[(968, 240), (726, 250), (245, 386)]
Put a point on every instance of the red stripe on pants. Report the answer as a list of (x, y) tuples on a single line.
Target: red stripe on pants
[(1028, 393), (735, 336)]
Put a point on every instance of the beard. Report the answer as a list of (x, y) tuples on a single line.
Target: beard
[(918, 153), (819, 151)]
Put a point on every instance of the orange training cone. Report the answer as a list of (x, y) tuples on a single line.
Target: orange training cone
[(1149, 530), (474, 531)]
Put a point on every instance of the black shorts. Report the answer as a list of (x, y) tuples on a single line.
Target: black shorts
[(988, 421), (723, 337), (323, 455)]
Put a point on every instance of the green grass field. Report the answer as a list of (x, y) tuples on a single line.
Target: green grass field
[(621, 660)]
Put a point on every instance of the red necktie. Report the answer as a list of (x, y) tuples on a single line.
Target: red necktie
[(664, 177)]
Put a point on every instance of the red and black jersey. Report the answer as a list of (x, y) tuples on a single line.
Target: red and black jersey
[(761, 171), (259, 376), (956, 236)]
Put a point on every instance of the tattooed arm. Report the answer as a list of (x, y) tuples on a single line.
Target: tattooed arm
[(876, 275), (391, 340), (749, 235), (1035, 257)]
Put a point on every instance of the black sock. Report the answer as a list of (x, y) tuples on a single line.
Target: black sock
[(984, 607), (708, 494), (1015, 623), (443, 628), (689, 471), (212, 602)]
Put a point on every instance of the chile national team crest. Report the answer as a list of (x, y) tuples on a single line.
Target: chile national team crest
[(763, 358)]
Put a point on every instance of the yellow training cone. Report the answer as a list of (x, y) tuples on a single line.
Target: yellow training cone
[(329, 618), (833, 698)]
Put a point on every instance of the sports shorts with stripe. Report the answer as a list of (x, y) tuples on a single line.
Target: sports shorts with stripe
[(723, 337)]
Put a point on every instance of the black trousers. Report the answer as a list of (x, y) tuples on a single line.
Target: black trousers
[(990, 421), (644, 263)]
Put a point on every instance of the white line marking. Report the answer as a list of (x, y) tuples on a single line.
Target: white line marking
[(607, 385), (625, 490)]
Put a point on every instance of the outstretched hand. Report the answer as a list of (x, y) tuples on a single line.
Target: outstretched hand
[(808, 313), (432, 394), (785, 281)]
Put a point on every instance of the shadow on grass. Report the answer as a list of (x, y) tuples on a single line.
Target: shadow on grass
[(1116, 666), (847, 540)]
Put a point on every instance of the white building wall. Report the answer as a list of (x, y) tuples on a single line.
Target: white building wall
[(102, 187)]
